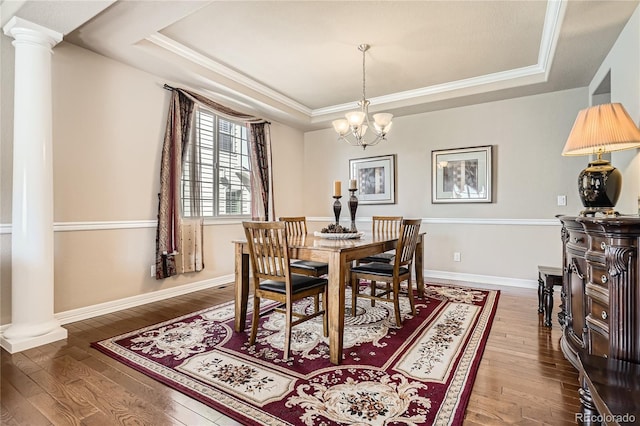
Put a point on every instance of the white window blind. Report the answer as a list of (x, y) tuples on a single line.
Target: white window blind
[(217, 160)]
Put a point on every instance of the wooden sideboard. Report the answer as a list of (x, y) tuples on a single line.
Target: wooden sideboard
[(600, 291)]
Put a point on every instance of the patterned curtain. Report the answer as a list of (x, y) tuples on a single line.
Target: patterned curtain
[(177, 137), (261, 175), (168, 234)]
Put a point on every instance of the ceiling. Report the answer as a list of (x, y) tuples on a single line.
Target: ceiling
[(297, 62)]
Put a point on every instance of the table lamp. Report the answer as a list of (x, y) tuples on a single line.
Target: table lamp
[(598, 130)]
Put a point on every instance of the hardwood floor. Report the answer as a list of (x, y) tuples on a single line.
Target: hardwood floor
[(523, 377)]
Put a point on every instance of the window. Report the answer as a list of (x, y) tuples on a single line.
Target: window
[(218, 162)]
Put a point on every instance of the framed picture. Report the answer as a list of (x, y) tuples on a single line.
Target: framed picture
[(375, 178), (461, 175)]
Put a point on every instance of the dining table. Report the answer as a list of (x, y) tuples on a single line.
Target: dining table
[(338, 254)]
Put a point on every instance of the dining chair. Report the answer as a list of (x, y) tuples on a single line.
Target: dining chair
[(297, 226), (394, 274), (384, 225), (273, 279)]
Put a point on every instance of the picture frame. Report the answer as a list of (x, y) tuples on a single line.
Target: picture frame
[(375, 178), (462, 175)]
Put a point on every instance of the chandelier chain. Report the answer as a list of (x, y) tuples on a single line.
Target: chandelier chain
[(364, 96)]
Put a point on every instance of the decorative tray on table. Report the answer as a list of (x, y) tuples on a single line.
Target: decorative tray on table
[(339, 236), (338, 232)]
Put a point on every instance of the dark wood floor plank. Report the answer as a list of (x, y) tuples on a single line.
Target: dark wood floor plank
[(20, 381), (58, 414), (56, 387), (19, 408), (118, 404), (6, 417)]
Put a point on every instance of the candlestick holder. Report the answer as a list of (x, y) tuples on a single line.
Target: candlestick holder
[(337, 207), (353, 206)]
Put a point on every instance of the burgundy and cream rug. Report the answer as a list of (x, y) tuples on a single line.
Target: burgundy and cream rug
[(419, 374)]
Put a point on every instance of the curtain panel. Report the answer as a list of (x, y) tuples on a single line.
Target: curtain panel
[(169, 233), (261, 174)]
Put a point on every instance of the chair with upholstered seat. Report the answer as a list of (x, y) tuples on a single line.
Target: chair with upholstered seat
[(384, 225), (394, 274), (387, 225), (297, 226), (273, 278)]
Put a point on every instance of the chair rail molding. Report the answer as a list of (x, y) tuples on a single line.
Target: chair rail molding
[(463, 220), (5, 228)]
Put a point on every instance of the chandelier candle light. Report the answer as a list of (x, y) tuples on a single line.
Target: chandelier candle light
[(353, 129)]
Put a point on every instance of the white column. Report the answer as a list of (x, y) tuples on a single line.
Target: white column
[(32, 320)]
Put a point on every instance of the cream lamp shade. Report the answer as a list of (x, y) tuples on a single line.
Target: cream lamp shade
[(600, 129)]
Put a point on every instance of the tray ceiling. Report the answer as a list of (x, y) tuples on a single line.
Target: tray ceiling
[(297, 61)]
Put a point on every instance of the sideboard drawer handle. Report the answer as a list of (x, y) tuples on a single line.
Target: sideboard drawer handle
[(604, 315), (603, 245), (604, 279), (578, 240)]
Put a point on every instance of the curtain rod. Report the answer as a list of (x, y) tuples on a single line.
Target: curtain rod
[(167, 87)]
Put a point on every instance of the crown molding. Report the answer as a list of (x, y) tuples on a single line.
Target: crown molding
[(499, 80), (551, 33), (185, 52)]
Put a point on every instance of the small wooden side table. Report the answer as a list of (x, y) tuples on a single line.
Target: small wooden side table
[(548, 276)]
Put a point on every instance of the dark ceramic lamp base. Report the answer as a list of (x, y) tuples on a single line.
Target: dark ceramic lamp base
[(599, 187)]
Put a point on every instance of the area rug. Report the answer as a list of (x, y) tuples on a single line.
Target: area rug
[(419, 374)]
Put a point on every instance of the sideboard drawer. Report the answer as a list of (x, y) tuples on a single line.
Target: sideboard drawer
[(598, 274), (577, 239), (598, 243), (599, 315)]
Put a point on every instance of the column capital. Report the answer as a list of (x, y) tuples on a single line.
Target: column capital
[(23, 30)]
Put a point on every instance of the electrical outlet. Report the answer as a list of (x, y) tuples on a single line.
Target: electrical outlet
[(562, 200), (456, 256), (153, 271)]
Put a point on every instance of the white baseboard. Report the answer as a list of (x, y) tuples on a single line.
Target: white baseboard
[(480, 279), (130, 302)]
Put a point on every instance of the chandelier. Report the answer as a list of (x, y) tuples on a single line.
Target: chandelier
[(354, 128)]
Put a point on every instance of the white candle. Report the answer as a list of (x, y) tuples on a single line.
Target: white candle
[(337, 188), (352, 184)]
